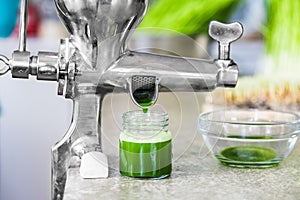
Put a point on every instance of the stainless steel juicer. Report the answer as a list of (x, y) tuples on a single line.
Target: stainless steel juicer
[(95, 60)]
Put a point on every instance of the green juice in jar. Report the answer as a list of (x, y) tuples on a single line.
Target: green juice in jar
[(146, 158)]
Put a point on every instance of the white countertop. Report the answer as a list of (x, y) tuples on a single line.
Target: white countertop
[(195, 176)]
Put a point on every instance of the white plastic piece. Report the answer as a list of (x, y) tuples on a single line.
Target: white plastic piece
[(94, 165)]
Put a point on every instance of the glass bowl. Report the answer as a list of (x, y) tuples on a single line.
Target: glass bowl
[(250, 138)]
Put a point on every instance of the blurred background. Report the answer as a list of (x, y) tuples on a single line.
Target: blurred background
[(33, 117)]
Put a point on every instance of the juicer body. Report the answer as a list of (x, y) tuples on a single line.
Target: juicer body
[(95, 60)]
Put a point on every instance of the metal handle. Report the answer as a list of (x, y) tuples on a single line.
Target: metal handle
[(225, 34), (23, 25), (20, 60), (44, 66)]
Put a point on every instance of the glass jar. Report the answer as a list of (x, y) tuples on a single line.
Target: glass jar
[(145, 145)]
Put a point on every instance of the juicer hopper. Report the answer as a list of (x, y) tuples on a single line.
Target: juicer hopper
[(95, 60)]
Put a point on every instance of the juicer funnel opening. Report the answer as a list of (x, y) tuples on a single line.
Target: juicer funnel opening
[(94, 21)]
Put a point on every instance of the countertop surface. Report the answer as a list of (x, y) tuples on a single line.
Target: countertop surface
[(196, 175)]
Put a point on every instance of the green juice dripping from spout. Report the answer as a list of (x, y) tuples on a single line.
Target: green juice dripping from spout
[(144, 97)]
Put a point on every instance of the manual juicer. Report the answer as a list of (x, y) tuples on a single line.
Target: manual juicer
[(95, 60)]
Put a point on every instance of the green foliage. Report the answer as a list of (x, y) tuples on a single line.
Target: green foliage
[(283, 26), (189, 17), (282, 33)]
